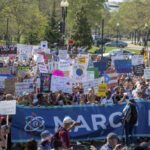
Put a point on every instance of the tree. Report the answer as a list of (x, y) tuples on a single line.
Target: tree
[(81, 33), (52, 34)]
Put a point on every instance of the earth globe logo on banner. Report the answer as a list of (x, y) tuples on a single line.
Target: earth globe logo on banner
[(79, 72), (34, 124)]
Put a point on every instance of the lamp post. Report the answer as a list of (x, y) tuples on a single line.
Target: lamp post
[(64, 5), (117, 32)]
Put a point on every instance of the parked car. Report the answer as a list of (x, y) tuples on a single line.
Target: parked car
[(118, 52), (117, 44)]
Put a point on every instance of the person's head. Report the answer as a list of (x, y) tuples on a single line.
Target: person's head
[(31, 145), (139, 93), (40, 97), (121, 90), (112, 139), (67, 122), (108, 94), (45, 137), (82, 99), (9, 97), (116, 89)]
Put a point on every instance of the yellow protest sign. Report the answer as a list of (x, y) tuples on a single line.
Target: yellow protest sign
[(81, 60), (101, 91)]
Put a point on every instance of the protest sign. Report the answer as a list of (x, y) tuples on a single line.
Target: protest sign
[(91, 84), (123, 66), (5, 70), (43, 68), (34, 70), (111, 78), (2, 80), (90, 75), (139, 70), (61, 84), (58, 73), (50, 66), (22, 70), (147, 73), (31, 86), (22, 87), (47, 58), (101, 91), (96, 72), (82, 60), (117, 57), (96, 121), (64, 65), (24, 49), (45, 79), (8, 51), (40, 59), (8, 107), (90, 63), (36, 50), (137, 60), (79, 72), (101, 65), (44, 44), (10, 85), (63, 54)]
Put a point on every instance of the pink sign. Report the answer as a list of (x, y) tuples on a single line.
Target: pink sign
[(58, 73)]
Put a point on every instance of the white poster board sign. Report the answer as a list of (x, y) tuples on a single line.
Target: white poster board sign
[(90, 75), (8, 107), (64, 65), (43, 68), (24, 49), (91, 84), (147, 73), (63, 54), (61, 83), (44, 44), (137, 60)]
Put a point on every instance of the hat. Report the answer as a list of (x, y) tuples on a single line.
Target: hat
[(45, 135), (68, 120), (111, 136)]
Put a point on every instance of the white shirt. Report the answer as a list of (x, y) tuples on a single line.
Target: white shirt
[(107, 101)]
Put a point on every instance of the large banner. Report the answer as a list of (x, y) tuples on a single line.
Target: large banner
[(96, 121)]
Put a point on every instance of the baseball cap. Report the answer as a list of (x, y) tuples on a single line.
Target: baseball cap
[(111, 136), (68, 120), (45, 135)]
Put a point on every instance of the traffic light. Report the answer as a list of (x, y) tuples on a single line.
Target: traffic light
[(61, 27)]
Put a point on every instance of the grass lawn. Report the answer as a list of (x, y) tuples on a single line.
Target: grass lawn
[(93, 49)]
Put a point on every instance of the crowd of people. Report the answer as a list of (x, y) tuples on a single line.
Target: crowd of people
[(129, 87)]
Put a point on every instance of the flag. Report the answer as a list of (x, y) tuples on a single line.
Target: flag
[(111, 78)]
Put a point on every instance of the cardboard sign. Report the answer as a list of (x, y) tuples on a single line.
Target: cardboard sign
[(81, 60), (137, 60), (123, 66), (147, 73), (63, 54), (45, 79), (91, 84), (43, 68), (139, 70), (5, 70), (8, 107), (102, 88), (61, 84), (10, 85)]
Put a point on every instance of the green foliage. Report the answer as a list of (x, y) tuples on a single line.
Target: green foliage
[(81, 33), (52, 34)]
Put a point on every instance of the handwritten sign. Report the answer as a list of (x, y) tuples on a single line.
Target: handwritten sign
[(81, 60), (63, 54), (137, 60), (61, 84), (147, 73), (45, 82), (43, 68), (102, 88), (10, 85), (8, 107)]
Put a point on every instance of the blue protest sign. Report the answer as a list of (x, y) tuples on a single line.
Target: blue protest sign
[(101, 65), (123, 66), (96, 121)]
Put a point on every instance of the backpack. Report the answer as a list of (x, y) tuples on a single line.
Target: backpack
[(132, 115), (55, 137)]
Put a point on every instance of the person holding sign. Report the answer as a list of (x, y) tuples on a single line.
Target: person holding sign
[(108, 99)]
